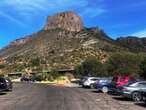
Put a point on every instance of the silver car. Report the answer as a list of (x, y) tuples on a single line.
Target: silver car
[(89, 81), (132, 89)]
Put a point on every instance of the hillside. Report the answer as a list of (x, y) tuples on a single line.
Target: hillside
[(135, 44), (63, 43)]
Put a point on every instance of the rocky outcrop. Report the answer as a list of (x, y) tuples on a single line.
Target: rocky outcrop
[(134, 43), (69, 21), (21, 41), (2, 61), (132, 40)]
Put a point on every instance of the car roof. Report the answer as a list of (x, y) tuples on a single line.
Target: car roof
[(141, 82), (93, 77), (137, 82)]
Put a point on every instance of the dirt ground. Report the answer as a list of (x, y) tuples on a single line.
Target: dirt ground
[(29, 96)]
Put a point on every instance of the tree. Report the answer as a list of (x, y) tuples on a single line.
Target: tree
[(143, 68), (35, 62), (125, 63), (2, 66), (91, 66)]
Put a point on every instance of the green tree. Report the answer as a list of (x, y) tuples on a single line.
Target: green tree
[(2, 66), (35, 62), (91, 66), (143, 68), (125, 63)]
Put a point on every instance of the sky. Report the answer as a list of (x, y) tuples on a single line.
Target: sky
[(118, 18)]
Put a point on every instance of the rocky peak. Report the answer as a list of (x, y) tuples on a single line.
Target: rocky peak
[(95, 29), (69, 21), (132, 40), (21, 41), (133, 43)]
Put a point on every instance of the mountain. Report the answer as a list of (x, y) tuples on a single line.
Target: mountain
[(135, 44), (64, 42)]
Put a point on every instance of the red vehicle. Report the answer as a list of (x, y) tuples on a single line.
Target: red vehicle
[(120, 81), (123, 81)]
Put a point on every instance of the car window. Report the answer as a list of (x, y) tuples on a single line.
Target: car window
[(94, 79), (2, 80), (104, 80), (131, 83), (142, 84)]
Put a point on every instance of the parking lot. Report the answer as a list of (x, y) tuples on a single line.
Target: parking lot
[(29, 96)]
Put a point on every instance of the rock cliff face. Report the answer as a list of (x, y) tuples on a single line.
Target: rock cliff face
[(133, 43), (132, 40), (67, 20)]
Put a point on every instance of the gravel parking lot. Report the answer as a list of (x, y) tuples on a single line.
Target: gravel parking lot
[(28, 96)]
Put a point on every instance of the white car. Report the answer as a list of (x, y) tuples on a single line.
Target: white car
[(89, 81)]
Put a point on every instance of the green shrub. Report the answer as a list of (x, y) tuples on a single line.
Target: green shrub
[(2, 66), (91, 66), (125, 63), (143, 68)]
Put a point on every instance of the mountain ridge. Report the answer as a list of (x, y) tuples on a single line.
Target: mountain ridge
[(62, 43)]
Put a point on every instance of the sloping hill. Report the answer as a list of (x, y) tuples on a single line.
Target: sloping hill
[(135, 44), (63, 43)]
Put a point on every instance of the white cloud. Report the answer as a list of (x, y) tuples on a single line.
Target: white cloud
[(141, 33), (12, 19), (24, 8), (93, 12)]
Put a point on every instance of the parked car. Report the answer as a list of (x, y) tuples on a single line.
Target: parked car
[(24, 79), (103, 84), (119, 81), (9, 84), (132, 89), (140, 97), (82, 79), (89, 81), (5, 84), (125, 80), (143, 93)]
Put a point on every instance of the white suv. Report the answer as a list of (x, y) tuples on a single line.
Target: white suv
[(89, 81)]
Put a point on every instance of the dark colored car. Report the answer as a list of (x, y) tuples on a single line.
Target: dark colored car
[(104, 84), (132, 89), (24, 79), (9, 84), (5, 84)]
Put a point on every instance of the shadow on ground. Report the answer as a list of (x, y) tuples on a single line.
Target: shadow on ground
[(141, 104), (122, 99), (3, 93), (96, 91)]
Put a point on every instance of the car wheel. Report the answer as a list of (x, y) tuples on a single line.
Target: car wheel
[(104, 89), (91, 86), (136, 96)]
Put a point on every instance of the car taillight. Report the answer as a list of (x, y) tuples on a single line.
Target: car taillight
[(125, 89)]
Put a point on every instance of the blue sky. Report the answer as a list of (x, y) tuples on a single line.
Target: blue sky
[(19, 18)]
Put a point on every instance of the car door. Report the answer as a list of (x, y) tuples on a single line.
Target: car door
[(93, 80), (142, 86), (2, 84)]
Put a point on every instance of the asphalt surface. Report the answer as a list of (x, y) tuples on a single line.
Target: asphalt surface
[(28, 96)]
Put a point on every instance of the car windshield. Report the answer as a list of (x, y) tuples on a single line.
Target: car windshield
[(130, 83)]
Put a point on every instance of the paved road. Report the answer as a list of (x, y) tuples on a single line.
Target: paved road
[(27, 96)]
